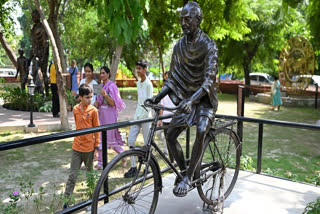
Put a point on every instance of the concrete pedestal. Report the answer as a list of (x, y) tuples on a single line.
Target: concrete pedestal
[(31, 129)]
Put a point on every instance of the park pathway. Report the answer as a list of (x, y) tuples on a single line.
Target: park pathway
[(11, 120)]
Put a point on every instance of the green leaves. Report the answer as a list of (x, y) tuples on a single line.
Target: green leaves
[(313, 19), (117, 4), (7, 23), (124, 18), (227, 19)]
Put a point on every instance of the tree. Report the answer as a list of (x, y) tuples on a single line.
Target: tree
[(261, 44), (124, 21), (163, 25), (313, 20), (6, 22), (228, 20), (58, 66), (8, 49), (85, 35), (134, 51), (54, 14)]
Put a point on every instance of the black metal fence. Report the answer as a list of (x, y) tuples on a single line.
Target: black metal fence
[(58, 136)]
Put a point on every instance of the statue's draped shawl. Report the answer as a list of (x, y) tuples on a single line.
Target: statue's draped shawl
[(194, 66)]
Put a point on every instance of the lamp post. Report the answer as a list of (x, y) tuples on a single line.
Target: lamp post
[(31, 87)]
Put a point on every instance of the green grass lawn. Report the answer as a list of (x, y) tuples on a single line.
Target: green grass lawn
[(287, 152)]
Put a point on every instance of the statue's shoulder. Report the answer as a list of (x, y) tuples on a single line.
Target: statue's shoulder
[(208, 41), (179, 41)]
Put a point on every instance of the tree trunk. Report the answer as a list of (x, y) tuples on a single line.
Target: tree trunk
[(53, 22), (57, 62), (218, 85), (246, 74), (161, 59), (59, 44), (12, 56), (115, 62)]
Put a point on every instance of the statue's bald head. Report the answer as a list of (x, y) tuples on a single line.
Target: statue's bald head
[(192, 9), (20, 51), (35, 16)]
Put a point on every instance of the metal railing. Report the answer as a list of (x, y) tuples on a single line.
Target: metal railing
[(58, 136), (63, 135)]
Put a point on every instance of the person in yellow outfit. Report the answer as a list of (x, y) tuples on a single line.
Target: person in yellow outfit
[(54, 91)]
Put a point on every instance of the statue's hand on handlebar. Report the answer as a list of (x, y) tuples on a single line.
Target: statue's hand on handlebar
[(185, 106), (153, 100)]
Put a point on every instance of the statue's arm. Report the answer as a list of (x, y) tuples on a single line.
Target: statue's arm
[(164, 91), (197, 95), (18, 70), (211, 69)]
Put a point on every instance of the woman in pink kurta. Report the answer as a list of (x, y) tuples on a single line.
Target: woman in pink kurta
[(109, 104)]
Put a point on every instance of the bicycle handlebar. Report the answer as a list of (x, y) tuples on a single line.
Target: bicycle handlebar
[(148, 103)]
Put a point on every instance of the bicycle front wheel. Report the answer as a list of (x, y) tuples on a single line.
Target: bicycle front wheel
[(220, 166), (137, 194)]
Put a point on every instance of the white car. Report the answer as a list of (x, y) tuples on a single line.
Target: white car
[(260, 79), (303, 80), (7, 72)]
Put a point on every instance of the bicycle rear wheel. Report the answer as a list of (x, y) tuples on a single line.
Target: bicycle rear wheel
[(218, 175), (128, 195)]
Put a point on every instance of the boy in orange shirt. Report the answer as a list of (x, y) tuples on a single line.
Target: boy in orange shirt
[(84, 146)]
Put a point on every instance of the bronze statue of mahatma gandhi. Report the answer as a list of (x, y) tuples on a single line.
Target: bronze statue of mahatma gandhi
[(40, 53), (192, 86)]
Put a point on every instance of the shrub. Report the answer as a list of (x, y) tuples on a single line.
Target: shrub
[(17, 99), (12, 207), (29, 201), (313, 207), (92, 179), (246, 163), (46, 108)]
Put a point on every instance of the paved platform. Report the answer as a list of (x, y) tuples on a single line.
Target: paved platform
[(253, 194), (11, 120)]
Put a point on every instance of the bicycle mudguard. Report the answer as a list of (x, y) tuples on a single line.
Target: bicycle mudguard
[(144, 149)]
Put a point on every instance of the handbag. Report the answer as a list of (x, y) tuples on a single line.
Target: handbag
[(105, 100)]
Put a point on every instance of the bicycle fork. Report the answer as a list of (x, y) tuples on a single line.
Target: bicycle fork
[(146, 159)]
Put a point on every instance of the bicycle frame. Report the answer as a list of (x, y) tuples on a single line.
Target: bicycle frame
[(151, 144)]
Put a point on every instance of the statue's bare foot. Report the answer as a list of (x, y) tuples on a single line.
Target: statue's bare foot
[(182, 188)]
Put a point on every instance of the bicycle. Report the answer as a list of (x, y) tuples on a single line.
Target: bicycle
[(214, 178)]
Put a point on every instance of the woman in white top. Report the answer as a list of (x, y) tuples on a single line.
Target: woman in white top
[(88, 70)]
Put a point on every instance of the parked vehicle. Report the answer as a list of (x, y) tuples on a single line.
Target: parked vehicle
[(304, 80), (7, 72), (260, 79)]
